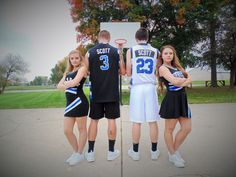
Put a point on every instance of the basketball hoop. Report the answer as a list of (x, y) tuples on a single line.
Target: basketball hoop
[(120, 42)]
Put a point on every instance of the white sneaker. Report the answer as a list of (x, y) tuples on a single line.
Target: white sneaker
[(134, 155), (155, 154), (72, 155), (113, 155), (90, 156), (180, 157), (176, 161), (76, 158)]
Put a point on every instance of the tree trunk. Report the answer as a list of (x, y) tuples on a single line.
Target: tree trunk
[(213, 53), (232, 77), (235, 79), (3, 87)]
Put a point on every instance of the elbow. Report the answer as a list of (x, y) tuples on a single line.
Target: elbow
[(123, 72), (129, 74), (60, 87)]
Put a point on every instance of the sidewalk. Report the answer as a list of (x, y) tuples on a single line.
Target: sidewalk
[(32, 144)]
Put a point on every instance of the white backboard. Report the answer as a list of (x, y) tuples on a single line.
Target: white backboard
[(124, 30)]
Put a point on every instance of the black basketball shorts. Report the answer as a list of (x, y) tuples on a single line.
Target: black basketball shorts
[(109, 110)]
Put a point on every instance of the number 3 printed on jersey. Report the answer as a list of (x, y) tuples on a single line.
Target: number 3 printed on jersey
[(105, 62), (144, 66)]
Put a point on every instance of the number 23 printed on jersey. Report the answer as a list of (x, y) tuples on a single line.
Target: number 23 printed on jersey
[(144, 65)]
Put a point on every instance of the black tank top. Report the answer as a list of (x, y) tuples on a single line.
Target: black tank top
[(76, 89), (169, 86), (104, 73)]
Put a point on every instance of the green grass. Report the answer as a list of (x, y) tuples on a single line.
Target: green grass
[(29, 87), (211, 95), (198, 95), (32, 100), (56, 99), (203, 83)]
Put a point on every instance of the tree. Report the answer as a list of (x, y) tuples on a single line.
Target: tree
[(210, 21), (226, 49), (58, 70), (12, 67), (169, 21), (40, 80)]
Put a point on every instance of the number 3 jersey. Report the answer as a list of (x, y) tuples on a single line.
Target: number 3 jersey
[(104, 73), (144, 60)]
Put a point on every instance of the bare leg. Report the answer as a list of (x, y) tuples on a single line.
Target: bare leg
[(136, 132), (68, 131), (81, 124), (168, 134), (153, 131), (181, 135), (111, 131), (92, 132)]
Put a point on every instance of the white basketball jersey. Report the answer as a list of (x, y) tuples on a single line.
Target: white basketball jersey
[(144, 61)]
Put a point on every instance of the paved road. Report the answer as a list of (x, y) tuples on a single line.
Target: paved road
[(32, 144)]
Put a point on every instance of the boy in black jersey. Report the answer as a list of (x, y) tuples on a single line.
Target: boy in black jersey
[(104, 64)]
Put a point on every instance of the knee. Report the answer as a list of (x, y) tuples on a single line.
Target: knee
[(82, 128), (169, 130), (186, 130), (68, 131), (111, 132)]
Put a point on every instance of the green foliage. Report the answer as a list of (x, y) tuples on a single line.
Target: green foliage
[(57, 71), (169, 22), (40, 80)]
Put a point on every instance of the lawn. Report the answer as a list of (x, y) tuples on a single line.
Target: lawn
[(9, 88), (55, 99)]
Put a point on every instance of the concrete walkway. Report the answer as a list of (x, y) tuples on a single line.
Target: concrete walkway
[(32, 144)]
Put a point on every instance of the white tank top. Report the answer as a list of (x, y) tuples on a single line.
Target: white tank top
[(144, 61)]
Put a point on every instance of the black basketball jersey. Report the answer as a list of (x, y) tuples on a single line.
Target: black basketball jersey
[(104, 73)]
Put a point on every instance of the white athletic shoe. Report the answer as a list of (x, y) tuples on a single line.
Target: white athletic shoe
[(155, 154), (176, 161), (113, 155), (179, 156), (134, 155), (90, 156), (72, 155), (76, 158)]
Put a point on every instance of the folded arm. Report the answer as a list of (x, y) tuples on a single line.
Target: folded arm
[(82, 72), (165, 72)]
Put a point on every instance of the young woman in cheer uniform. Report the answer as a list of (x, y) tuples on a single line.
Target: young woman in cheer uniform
[(77, 104), (174, 107)]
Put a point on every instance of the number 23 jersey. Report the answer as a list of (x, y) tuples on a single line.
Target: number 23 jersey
[(144, 60)]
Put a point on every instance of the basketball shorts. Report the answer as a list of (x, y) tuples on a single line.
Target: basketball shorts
[(109, 110), (144, 103)]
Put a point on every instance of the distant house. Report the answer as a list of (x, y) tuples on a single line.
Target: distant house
[(204, 74)]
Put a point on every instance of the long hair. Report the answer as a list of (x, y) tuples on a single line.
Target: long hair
[(174, 63), (69, 66)]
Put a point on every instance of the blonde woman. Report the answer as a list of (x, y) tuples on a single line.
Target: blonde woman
[(77, 104), (174, 107)]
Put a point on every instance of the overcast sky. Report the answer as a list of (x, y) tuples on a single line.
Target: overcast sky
[(41, 31)]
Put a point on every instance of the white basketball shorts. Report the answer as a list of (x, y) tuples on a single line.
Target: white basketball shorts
[(144, 103)]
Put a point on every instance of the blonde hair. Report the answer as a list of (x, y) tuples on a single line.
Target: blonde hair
[(174, 63), (69, 66)]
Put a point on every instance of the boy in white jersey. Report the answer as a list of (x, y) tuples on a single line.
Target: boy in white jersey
[(141, 62)]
